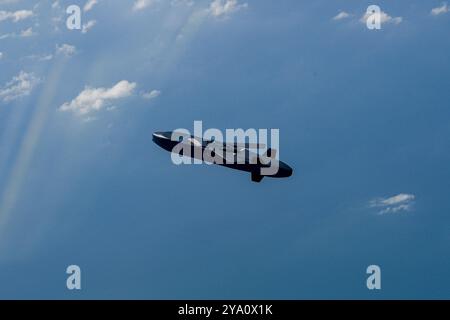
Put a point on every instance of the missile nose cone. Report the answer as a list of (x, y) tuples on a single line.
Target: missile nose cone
[(289, 171), (285, 170)]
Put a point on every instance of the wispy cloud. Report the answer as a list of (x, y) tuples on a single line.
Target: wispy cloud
[(40, 57), (342, 15), (23, 34), (55, 5), (66, 50), (20, 86), (151, 95), (142, 4), (398, 203), (16, 15), (89, 5), (384, 18), (444, 8), (220, 8), (95, 99), (27, 33), (89, 25)]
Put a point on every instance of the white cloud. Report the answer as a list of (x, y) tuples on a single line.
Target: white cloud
[(384, 18), (23, 34), (38, 57), (89, 119), (94, 99), (20, 85), (86, 27), (151, 95), (27, 33), (399, 208), (396, 20), (55, 5), (15, 16), (1, 55), (66, 50), (220, 8), (398, 203), (89, 5), (142, 4), (341, 15), (440, 10), (400, 198)]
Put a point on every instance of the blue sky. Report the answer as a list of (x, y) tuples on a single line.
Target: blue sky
[(363, 118)]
